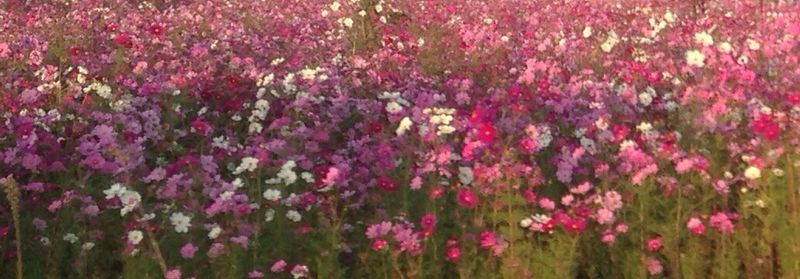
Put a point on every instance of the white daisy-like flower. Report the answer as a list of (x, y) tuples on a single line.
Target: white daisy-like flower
[(135, 236), (130, 200), (214, 232), (752, 173), (405, 125), (348, 22), (724, 47), (465, 175), (695, 58), (393, 107), (71, 238), (181, 222), (248, 164), (114, 191), (272, 195), (703, 38), (335, 6), (587, 32), (294, 216), (753, 44)]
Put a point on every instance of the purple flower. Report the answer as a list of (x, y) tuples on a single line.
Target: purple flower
[(31, 161)]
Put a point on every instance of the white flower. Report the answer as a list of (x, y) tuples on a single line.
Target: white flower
[(130, 200), (362, 13), (587, 32), (71, 238), (695, 58), (777, 172), (645, 99), (527, 222), (214, 232), (135, 236), (247, 164), (87, 246), (348, 22), (269, 215), (378, 8), (262, 105), (405, 125), (742, 60), (724, 47), (45, 241), (670, 17), (272, 195), (237, 183), (703, 38), (335, 6), (760, 203), (465, 175), (393, 107), (753, 45), (293, 215), (752, 173), (180, 222), (610, 42), (287, 174), (255, 128), (114, 191)]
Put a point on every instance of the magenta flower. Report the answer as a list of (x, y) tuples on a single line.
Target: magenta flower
[(452, 254), (467, 198), (487, 239)]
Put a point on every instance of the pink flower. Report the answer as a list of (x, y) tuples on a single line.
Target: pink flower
[(173, 274), (654, 244), (452, 254), (722, 222), (695, 226), (278, 266), (188, 250), (654, 267), (255, 274), (299, 271), (467, 198), (428, 221), (609, 238), (604, 216), (487, 239)]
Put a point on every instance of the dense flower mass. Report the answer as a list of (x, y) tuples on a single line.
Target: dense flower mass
[(406, 139)]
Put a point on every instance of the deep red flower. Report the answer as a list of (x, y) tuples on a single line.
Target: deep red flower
[(467, 198), (387, 184), (573, 225), (123, 40), (379, 244)]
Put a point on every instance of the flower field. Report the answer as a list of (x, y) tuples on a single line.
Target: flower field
[(399, 139)]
